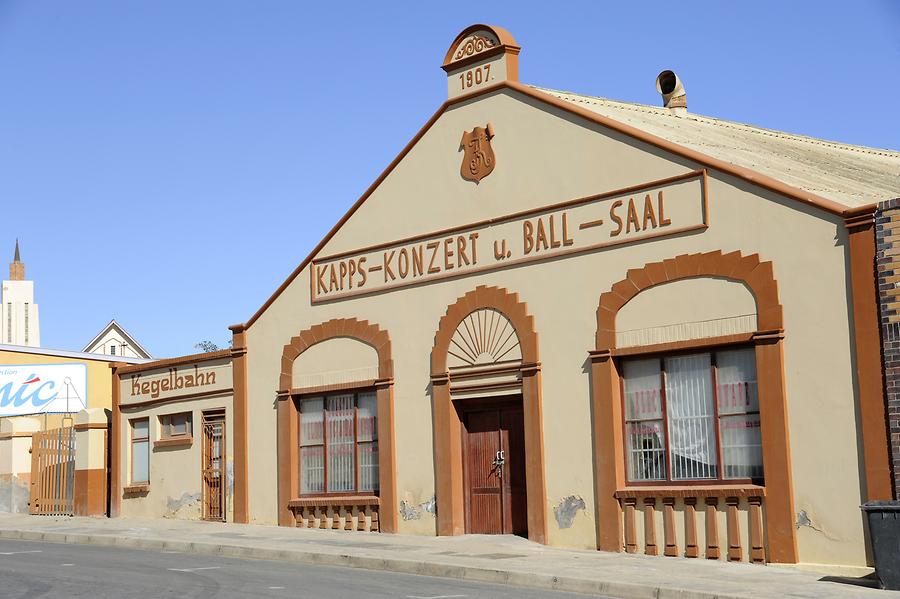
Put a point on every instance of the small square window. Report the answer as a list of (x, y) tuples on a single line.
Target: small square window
[(173, 426)]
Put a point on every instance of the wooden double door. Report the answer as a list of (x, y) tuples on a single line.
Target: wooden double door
[(494, 467)]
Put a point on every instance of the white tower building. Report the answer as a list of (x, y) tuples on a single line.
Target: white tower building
[(19, 323)]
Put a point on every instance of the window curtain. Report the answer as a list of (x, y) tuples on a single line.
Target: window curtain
[(646, 443), (312, 451), (739, 414), (368, 442), (689, 400), (339, 418)]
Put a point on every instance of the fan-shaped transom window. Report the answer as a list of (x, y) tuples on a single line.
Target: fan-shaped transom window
[(484, 337)]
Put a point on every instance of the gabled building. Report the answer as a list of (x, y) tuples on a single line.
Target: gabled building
[(593, 323), (114, 340)]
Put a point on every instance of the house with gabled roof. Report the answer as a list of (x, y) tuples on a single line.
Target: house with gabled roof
[(114, 340), (590, 323)]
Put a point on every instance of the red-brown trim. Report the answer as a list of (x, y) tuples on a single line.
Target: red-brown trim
[(136, 489), (759, 277), (240, 446), (745, 174), (351, 386), (867, 343), (350, 500), (87, 426), (460, 373), (287, 415), (361, 330), (683, 491), (89, 492), (189, 359), (506, 43), (182, 441), (447, 425), (485, 387), (115, 456)]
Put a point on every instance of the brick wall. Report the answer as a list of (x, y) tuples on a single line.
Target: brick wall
[(887, 256)]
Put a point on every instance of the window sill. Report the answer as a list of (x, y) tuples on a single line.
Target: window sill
[(352, 500), (714, 490), (137, 489), (174, 442)]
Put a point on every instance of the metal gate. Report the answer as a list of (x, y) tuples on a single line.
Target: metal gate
[(53, 472), (213, 466)]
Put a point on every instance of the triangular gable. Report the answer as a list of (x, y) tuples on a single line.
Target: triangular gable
[(753, 177), (113, 325)]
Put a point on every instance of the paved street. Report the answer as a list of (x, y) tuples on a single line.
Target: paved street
[(32, 569)]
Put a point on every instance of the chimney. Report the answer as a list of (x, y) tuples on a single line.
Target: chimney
[(674, 97), (17, 267)]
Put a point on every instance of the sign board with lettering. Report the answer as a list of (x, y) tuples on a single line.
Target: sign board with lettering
[(159, 384), (42, 388), (661, 208)]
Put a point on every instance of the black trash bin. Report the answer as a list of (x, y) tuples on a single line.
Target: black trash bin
[(884, 533)]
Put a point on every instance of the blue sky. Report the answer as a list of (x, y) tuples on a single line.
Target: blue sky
[(169, 163)]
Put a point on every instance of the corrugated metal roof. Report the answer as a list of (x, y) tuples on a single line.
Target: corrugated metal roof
[(847, 174)]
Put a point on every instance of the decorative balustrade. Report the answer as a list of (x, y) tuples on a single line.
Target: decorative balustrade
[(357, 513), (732, 526)]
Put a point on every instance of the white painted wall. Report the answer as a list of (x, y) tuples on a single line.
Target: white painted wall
[(113, 339), (19, 322)]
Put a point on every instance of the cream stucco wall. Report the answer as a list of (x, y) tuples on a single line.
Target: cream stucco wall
[(175, 472), (335, 361), (91, 443), (686, 309), (545, 156)]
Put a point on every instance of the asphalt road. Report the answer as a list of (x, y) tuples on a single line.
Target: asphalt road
[(32, 570)]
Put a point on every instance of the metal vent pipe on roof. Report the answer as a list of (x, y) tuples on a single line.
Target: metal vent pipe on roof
[(669, 86)]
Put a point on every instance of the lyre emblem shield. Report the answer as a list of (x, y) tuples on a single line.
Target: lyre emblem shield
[(478, 158)]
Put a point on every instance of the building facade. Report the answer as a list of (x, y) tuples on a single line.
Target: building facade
[(173, 431), (41, 389), (592, 323), (18, 312)]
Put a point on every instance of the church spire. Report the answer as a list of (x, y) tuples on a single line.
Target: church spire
[(17, 267)]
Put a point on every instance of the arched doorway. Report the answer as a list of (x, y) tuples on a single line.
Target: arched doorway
[(486, 391)]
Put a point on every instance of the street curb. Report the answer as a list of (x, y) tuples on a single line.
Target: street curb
[(613, 589)]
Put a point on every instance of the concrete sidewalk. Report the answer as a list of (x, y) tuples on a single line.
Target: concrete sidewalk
[(508, 560)]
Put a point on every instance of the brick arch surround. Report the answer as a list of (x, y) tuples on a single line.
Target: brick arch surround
[(288, 433), (758, 276), (448, 427), (768, 340)]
